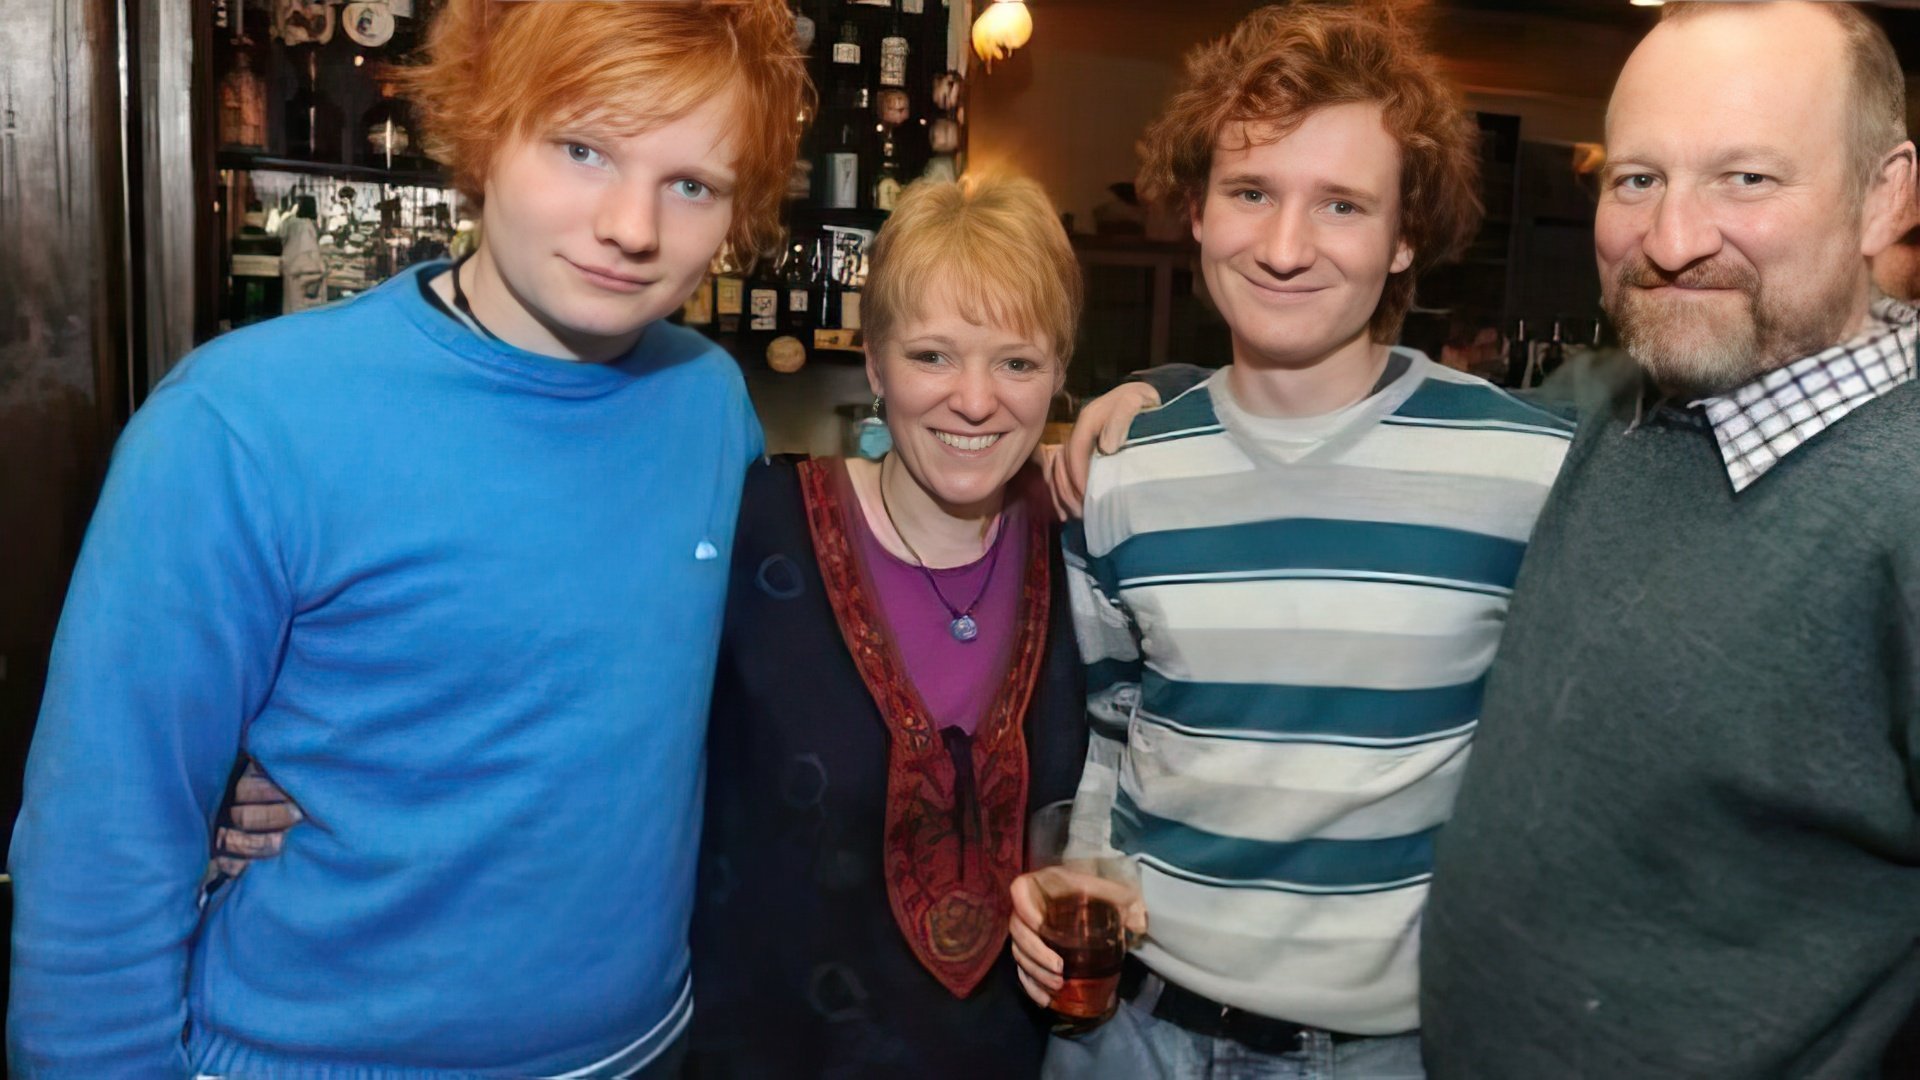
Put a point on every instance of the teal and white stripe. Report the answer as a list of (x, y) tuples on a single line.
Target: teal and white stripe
[(1285, 657)]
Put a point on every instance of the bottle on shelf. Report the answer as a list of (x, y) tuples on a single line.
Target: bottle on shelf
[(763, 299), (843, 169), (1519, 356), (729, 297), (698, 310), (796, 281), (1554, 354), (826, 298), (846, 50), (254, 287), (886, 189), (312, 119), (893, 53)]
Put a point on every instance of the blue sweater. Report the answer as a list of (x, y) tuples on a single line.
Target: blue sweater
[(462, 602)]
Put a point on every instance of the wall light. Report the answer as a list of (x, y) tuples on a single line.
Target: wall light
[(1646, 3), (1003, 27)]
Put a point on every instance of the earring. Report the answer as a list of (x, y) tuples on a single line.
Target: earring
[(879, 407)]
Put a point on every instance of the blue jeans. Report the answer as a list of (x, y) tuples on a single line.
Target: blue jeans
[(1136, 1045)]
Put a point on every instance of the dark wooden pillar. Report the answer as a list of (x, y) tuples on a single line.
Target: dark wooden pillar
[(65, 329)]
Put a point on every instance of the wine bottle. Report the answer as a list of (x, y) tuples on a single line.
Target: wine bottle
[(1555, 354), (846, 50), (893, 53), (763, 299), (698, 310), (886, 189), (312, 119), (796, 282), (826, 310), (1518, 347), (843, 169)]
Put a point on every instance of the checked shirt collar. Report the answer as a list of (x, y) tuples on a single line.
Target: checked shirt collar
[(1762, 422)]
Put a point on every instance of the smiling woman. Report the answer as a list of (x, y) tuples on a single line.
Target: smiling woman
[(898, 686)]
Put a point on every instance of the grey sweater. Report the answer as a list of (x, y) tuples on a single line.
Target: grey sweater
[(1687, 843)]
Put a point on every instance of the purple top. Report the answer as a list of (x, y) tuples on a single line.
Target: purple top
[(957, 680)]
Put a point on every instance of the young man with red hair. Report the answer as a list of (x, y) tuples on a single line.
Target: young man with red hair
[(448, 561), (1293, 576)]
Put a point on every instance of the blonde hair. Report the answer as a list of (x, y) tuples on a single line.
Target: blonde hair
[(994, 244), (498, 69), (1877, 87)]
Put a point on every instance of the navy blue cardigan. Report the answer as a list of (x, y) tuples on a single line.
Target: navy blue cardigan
[(799, 968)]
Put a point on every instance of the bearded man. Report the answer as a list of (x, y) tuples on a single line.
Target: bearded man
[(1687, 843)]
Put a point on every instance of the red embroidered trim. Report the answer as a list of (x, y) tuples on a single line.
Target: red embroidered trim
[(950, 898)]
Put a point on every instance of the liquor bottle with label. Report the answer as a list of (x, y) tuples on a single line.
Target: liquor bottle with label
[(312, 119), (843, 168), (698, 310), (893, 53), (826, 311), (846, 51), (254, 288), (763, 299), (796, 278), (886, 189)]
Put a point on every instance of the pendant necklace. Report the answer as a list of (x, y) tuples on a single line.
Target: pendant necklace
[(963, 628)]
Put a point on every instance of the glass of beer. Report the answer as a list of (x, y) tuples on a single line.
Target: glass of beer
[(1083, 900)]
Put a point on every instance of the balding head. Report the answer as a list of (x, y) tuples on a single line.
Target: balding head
[(1877, 91), (1739, 210)]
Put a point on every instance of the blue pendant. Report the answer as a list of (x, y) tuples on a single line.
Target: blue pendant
[(964, 628)]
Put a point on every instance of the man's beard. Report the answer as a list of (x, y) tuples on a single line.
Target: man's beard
[(1693, 350)]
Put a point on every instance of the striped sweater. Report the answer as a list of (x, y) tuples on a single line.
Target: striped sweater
[(1287, 625)]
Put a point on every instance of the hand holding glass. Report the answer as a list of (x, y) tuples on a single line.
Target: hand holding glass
[(1077, 911)]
